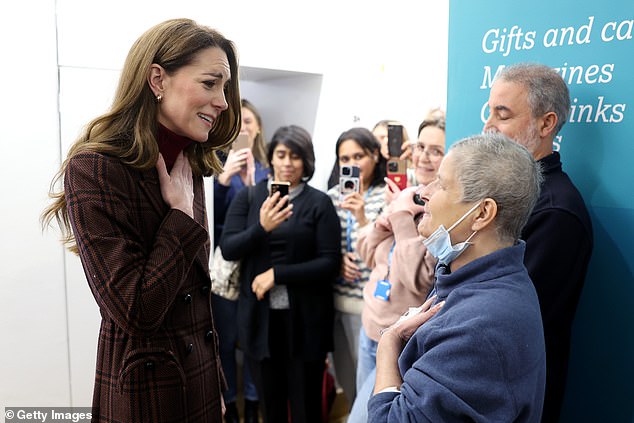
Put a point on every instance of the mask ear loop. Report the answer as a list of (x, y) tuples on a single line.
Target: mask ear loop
[(463, 218), (470, 236)]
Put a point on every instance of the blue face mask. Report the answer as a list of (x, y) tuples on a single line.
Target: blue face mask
[(439, 243)]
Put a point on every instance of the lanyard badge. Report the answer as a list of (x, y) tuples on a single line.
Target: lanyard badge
[(384, 286)]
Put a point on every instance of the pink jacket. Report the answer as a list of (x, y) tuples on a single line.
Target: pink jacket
[(411, 271)]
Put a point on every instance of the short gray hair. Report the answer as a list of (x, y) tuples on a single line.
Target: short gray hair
[(547, 91), (491, 165)]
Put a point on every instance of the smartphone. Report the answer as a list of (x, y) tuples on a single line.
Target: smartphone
[(241, 142), (281, 187), (397, 172), (395, 140), (349, 179)]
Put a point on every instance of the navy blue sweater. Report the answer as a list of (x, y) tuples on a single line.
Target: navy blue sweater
[(482, 357)]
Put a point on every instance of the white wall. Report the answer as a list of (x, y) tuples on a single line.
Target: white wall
[(60, 64)]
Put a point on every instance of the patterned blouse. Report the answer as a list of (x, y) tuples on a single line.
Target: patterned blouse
[(349, 295)]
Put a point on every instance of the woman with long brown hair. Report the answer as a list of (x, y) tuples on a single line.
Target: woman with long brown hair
[(132, 205)]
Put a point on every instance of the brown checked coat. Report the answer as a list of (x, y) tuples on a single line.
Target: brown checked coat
[(147, 267)]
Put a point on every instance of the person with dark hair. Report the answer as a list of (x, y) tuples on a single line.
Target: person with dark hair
[(530, 103), (242, 167), (474, 351), (133, 207), (289, 250), (359, 147), (402, 269)]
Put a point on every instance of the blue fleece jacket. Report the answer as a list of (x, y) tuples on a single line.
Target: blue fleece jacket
[(482, 357)]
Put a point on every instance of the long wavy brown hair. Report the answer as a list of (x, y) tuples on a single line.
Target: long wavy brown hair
[(128, 130)]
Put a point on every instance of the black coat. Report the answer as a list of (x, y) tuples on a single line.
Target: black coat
[(312, 239)]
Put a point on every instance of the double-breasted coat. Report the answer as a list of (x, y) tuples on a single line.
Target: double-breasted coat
[(147, 267)]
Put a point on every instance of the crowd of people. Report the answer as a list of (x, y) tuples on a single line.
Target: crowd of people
[(451, 299)]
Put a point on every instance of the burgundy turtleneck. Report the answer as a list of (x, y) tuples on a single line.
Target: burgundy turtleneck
[(170, 144)]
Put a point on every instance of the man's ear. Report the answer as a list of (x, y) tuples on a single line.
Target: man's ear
[(155, 79), (486, 214), (547, 125)]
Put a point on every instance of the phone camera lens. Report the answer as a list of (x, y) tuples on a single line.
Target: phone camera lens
[(418, 200)]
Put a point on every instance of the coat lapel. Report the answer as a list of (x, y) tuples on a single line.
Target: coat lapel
[(151, 187)]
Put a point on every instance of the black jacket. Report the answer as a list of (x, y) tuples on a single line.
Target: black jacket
[(312, 242), (559, 244)]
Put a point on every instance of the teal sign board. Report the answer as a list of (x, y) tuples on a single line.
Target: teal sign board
[(591, 44)]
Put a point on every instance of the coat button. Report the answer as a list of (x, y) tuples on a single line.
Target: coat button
[(188, 298), (209, 335), (149, 365), (205, 289), (190, 348)]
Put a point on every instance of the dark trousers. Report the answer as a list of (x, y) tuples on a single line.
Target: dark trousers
[(225, 317), (285, 383)]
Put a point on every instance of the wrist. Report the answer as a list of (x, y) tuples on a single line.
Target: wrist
[(362, 221), (224, 179), (189, 211)]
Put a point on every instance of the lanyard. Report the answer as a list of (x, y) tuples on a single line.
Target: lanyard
[(389, 260), (350, 221)]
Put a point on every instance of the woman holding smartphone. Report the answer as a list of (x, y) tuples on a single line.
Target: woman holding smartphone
[(289, 249), (355, 147), (244, 165)]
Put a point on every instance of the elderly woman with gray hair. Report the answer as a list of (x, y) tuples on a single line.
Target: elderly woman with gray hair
[(474, 351)]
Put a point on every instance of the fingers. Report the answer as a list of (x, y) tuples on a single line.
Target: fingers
[(406, 328), (274, 211), (392, 185), (406, 147), (277, 205), (263, 283), (182, 169), (353, 202), (162, 169), (349, 268), (236, 160), (255, 288)]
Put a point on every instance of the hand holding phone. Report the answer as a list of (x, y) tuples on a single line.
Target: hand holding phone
[(281, 187), (272, 214), (396, 168), (397, 172)]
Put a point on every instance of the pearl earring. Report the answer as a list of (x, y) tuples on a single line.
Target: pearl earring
[(159, 98)]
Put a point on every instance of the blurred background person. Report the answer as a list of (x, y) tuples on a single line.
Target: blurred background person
[(380, 131), (242, 167), (358, 147), (289, 249), (402, 268), (133, 206)]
